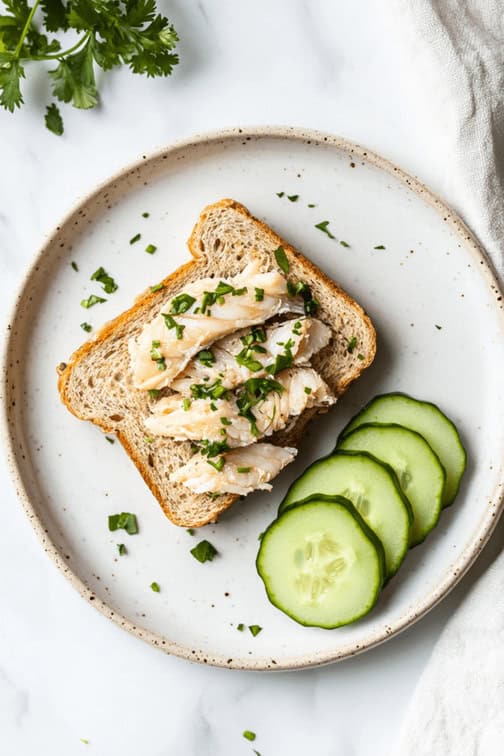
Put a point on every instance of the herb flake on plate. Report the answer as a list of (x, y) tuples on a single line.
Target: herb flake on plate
[(204, 552), (123, 521), (323, 226)]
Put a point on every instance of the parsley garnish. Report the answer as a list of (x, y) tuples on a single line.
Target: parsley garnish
[(154, 393), (121, 548), (296, 328), (307, 390), (190, 531), (246, 359), (206, 357), (249, 735), (204, 552), (155, 587), (281, 259), (293, 197), (282, 361), (240, 627), (170, 323), (259, 294), (255, 629), (103, 34), (145, 215), (149, 439), (124, 521), (135, 238), (379, 246), (108, 283), (181, 304), (91, 301), (212, 448), (254, 391), (211, 391), (280, 194), (323, 226), (156, 355), (110, 440), (86, 327), (344, 243), (352, 344), (438, 327), (360, 356), (225, 421), (74, 266), (150, 249), (312, 205), (310, 303), (211, 297), (243, 469), (218, 465), (157, 287), (186, 404)]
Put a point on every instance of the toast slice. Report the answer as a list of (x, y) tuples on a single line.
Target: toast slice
[(96, 382)]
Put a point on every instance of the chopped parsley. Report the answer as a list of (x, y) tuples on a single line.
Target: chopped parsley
[(344, 243), (86, 327), (259, 294), (307, 390), (246, 359), (255, 629), (156, 355), (206, 357), (135, 238), (217, 296), (352, 344), (255, 336), (438, 327), (280, 194), (150, 249), (190, 531), (240, 627), (225, 421), (312, 205), (74, 266), (204, 551), (186, 404), (110, 440), (323, 226), (281, 259), (181, 303), (213, 390), (212, 448), (91, 301), (379, 246), (124, 521), (155, 587), (149, 439), (253, 392), (249, 735), (282, 361), (121, 548), (243, 469), (218, 464), (360, 356), (154, 393), (170, 323), (108, 283), (293, 197), (145, 215), (296, 328), (214, 408), (157, 287), (301, 288)]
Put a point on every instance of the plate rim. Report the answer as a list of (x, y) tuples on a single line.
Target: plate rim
[(480, 535)]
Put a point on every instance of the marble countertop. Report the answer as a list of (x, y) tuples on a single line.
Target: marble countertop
[(66, 673)]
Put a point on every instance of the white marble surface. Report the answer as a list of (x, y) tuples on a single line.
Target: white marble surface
[(65, 672)]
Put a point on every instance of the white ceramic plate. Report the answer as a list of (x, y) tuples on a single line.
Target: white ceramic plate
[(431, 273)]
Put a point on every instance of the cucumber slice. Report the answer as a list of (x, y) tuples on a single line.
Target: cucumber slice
[(373, 489), (321, 564), (420, 473), (424, 418)]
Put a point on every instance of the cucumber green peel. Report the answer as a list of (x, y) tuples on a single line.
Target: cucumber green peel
[(374, 490), (424, 418), (321, 564)]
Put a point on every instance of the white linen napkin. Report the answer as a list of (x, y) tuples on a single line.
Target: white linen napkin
[(451, 54)]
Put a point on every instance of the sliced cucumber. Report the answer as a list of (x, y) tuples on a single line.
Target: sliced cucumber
[(424, 418), (373, 489), (420, 473), (321, 564)]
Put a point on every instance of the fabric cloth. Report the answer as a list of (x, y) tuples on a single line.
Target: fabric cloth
[(451, 54)]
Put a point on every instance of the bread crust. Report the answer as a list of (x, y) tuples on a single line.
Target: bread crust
[(144, 303)]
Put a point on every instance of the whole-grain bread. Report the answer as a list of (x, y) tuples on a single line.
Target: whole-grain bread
[(96, 382)]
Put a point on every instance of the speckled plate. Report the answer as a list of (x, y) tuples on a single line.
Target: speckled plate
[(438, 314)]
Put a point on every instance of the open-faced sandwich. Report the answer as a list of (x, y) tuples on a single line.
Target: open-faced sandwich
[(209, 380)]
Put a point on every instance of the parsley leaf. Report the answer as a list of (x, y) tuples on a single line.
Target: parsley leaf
[(323, 226), (91, 300), (10, 90), (249, 735), (53, 120), (255, 629), (204, 552), (108, 283), (281, 259), (124, 521), (155, 587), (73, 80)]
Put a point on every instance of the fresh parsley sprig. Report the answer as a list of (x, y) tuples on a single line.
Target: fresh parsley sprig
[(110, 33)]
